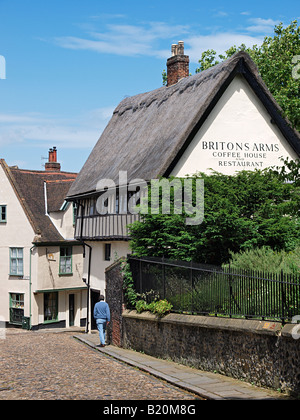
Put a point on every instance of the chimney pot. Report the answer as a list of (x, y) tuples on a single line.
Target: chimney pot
[(178, 64), (54, 154), (52, 164), (180, 48), (173, 50)]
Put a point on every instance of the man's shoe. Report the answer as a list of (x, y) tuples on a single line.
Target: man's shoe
[(102, 345)]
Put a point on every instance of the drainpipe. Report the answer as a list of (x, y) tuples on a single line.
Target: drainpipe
[(88, 285), (30, 284)]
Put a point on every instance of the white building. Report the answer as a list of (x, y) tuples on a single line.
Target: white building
[(224, 119), (40, 262)]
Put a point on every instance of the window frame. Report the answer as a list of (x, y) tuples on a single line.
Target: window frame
[(107, 252), (63, 261), (11, 257), (55, 306), (16, 308), (3, 207)]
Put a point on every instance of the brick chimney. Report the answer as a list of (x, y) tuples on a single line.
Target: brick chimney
[(178, 64), (52, 164)]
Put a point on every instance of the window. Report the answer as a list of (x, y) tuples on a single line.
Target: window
[(2, 214), (74, 213), (92, 207), (16, 308), (107, 252), (65, 263), (16, 261), (50, 306)]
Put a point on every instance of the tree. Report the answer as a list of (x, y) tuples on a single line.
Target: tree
[(275, 59), (244, 211), (278, 65)]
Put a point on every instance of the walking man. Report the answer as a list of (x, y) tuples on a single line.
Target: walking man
[(102, 317)]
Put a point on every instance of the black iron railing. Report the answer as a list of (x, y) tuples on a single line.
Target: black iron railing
[(209, 290)]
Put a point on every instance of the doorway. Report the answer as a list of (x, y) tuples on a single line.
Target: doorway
[(71, 309), (94, 299)]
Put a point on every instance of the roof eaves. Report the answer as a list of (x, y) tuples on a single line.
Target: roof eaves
[(21, 199)]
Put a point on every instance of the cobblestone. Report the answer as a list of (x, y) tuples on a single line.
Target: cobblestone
[(53, 366)]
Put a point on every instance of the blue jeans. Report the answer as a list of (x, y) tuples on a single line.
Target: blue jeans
[(101, 325)]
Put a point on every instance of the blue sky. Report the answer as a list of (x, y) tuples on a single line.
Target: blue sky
[(69, 62)]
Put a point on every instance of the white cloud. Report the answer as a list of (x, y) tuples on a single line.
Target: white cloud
[(220, 14), (125, 40), (78, 132), (144, 39), (260, 25), (104, 16), (219, 42)]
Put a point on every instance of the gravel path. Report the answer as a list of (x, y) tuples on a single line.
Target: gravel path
[(52, 366)]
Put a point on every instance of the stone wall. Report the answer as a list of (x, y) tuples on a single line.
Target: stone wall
[(258, 352), (114, 297)]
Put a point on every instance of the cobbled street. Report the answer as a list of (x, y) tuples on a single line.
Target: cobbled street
[(53, 366)]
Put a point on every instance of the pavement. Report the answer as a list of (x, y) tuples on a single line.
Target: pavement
[(208, 385)]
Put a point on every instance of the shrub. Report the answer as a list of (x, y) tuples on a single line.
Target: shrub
[(266, 260), (129, 292), (160, 307), (141, 306)]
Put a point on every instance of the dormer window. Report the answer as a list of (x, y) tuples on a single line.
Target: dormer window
[(3, 214)]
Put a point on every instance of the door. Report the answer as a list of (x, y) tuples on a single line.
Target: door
[(94, 300), (71, 309)]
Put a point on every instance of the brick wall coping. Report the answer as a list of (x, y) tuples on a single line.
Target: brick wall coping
[(241, 325)]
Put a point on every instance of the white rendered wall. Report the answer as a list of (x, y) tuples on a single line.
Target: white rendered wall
[(237, 135), (16, 232), (98, 263)]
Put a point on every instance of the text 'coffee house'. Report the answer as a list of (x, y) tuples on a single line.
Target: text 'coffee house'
[(240, 155)]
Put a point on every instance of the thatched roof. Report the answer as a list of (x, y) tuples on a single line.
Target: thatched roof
[(29, 186), (148, 133)]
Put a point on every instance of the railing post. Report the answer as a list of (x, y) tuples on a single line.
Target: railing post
[(283, 296), (230, 292), (164, 277), (192, 285), (141, 282)]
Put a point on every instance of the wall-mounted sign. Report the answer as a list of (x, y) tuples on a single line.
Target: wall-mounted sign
[(240, 155), (237, 135)]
